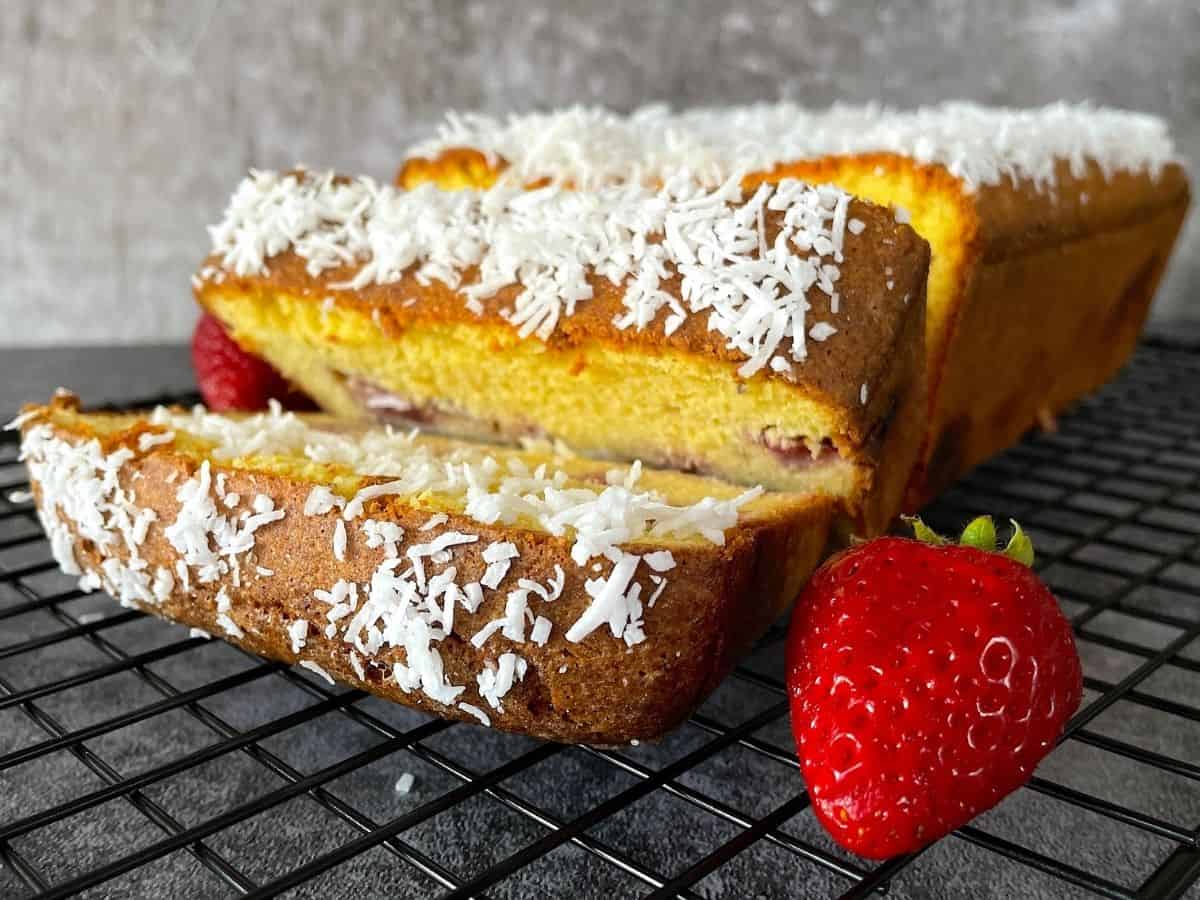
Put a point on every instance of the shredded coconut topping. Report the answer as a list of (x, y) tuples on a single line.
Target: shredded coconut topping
[(590, 147), (495, 681), (199, 525), (553, 242), (491, 493), (412, 597)]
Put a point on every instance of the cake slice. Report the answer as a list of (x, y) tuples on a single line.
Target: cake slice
[(554, 596), (1050, 228), (768, 336)]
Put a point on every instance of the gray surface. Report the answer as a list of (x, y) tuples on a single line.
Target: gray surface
[(96, 374), (124, 125), (659, 832)]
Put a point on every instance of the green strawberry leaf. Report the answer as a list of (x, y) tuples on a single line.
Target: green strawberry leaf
[(1020, 547), (923, 532), (980, 533)]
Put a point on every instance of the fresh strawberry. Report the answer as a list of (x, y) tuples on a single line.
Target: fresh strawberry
[(927, 680), (231, 378)]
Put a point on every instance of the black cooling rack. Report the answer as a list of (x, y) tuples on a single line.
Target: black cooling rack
[(136, 760)]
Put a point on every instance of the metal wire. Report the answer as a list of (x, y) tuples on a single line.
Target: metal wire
[(1112, 499)]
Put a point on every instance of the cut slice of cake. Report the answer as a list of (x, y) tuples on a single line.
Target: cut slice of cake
[(554, 596), (768, 336), (1050, 228)]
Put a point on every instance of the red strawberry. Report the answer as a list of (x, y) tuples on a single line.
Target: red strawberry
[(231, 378), (927, 680)]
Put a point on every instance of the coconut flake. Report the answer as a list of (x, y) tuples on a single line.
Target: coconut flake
[(322, 500), (434, 521), (821, 331), (383, 534), (149, 440), (476, 712), (541, 631), (314, 667), (228, 625), (495, 681), (660, 560), (298, 634), (339, 540)]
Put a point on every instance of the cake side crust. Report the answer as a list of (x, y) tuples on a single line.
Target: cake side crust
[(717, 601), (1024, 353)]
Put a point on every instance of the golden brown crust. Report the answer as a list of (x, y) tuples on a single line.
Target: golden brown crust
[(833, 374), (456, 167), (719, 600), (900, 441), (1020, 218), (1038, 330)]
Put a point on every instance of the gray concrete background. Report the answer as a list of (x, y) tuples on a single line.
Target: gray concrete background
[(124, 125)]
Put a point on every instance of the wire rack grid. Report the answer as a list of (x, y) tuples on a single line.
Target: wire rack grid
[(136, 760)]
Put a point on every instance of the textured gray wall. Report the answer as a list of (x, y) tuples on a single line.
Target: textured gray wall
[(124, 125)]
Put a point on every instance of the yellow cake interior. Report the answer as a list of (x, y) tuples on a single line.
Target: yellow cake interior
[(934, 200), (490, 384), (676, 488)]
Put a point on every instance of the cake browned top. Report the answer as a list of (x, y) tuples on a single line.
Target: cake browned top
[(788, 281)]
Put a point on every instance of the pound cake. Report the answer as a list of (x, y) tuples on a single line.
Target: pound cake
[(1050, 228), (767, 336), (532, 592)]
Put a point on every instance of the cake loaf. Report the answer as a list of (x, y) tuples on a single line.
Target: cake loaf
[(765, 336), (548, 595), (1050, 228)]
